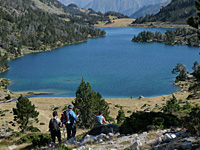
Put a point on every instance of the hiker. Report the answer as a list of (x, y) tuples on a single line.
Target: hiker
[(54, 128), (100, 119), (70, 121)]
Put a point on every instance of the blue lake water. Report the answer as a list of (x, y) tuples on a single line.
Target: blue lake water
[(113, 65)]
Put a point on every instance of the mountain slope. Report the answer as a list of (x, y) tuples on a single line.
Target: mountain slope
[(127, 7), (150, 9), (176, 12), (25, 28), (80, 3)]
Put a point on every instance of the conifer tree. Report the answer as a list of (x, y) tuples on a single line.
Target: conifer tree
[(88, 103), (195, 21), (172, 105), (121, 116), (23, 112)]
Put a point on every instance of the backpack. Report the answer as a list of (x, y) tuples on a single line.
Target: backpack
[(53, 125), (65, 119)]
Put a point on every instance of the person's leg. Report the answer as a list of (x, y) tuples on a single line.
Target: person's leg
[(73, 130), (53, 136), (58, 134), (69, 129)]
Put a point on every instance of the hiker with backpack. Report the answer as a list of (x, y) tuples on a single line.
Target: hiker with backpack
[(54, 128), (99, 120), (69, 120)]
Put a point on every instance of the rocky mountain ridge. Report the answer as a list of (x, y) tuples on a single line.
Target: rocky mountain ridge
[(126, 7)]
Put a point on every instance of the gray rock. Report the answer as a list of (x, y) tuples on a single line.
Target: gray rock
[(151, 142), (111, 143), (82, 147), (111, 135), (88, 139), (151, 127), (12, 147), (144, 133), (141, 97), (101, 136), (136, 145), (159, 140), (100, 140), (71, 141), (158, 147), (167, 138), (186, 145), (5, 134)]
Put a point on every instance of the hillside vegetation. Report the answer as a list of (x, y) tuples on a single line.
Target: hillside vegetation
[(179, 37), (26, 28), (176, 12)]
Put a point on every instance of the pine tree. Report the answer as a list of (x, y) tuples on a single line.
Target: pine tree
[(195, 21), (23, 112), (121, 116), (172, 105), (88, 103)]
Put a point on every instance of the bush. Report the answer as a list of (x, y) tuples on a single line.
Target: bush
[(37, 139), (139, 121), (32, 129), (40, 139), (129, 111), (158, 122), (192, 122), (172, 105), (42, 123), (121, 116)]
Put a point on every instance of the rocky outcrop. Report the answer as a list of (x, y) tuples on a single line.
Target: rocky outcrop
[(158, 140)]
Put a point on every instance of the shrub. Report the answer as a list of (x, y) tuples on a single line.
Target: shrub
[(42, 123), (121, 116), (158, 122), (172, 105), (139, 121), (40, 139), (192, 122), (37, 139), (129, 111), (32, 129)]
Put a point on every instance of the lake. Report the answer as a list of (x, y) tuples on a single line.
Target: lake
[(115, 66)]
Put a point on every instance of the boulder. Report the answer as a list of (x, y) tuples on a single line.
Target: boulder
[(101, 136), (151, 142), (5, 134), (159, 140), (186, 145), (167, 138), (12, 147), (151, 127), (106, 129), (71, 141), (111, 143), (141, 97), (88, 139), (136, 145)]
